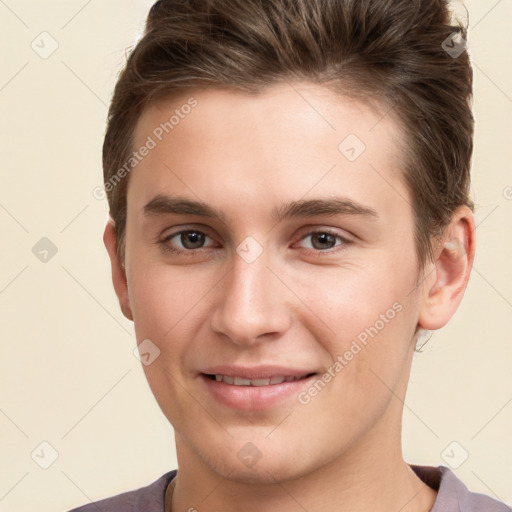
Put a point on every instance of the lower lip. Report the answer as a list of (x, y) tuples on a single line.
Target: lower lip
[(254, 398)]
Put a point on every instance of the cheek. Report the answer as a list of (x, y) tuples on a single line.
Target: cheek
[(352, 298), (163, 300), (165, 305), (371, 315)]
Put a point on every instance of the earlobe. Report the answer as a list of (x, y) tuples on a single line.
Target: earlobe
[(444, 287), (118, 272)]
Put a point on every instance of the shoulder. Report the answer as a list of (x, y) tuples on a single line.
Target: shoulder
[(145, 499), (453, 495)]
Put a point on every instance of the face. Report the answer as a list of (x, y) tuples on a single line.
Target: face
[(265, 243)]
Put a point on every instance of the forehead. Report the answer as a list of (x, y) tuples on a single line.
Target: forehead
[(289, 140), (299, 107)]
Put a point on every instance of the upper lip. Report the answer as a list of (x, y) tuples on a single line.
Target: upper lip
[(257, 372)]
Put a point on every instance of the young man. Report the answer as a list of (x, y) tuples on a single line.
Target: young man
[(288, 187)]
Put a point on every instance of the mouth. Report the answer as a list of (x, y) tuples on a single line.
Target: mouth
[(254, 389), (242, 381)]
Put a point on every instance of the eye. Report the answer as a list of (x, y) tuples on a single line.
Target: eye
[(187, 240), (322, 241)]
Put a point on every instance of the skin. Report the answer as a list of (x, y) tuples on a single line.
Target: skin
[(298, 304)]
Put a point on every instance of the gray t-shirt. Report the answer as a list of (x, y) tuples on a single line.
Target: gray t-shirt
[(453, 495)]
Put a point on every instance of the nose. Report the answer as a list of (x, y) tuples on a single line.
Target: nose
[(252, 304)]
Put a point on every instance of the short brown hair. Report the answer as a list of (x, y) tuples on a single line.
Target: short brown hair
[(390, 51)]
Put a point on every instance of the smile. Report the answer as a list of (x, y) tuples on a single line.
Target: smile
[(254, 389), (241, 381)]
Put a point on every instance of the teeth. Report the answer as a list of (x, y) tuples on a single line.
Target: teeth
[(260, 382), (240, 381)]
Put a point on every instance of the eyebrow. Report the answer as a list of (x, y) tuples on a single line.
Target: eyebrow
[(163, 205)]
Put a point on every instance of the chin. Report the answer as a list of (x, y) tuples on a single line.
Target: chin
[(262, 473), (270, 468)]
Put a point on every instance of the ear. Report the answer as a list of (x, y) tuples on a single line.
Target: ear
[(118, 271), (448, 275)]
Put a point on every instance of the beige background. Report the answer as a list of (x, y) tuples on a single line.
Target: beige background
[(68, 375)]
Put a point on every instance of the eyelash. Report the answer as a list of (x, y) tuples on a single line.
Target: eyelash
[(164, 243)]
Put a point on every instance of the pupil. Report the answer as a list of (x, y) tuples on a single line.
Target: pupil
[(192, 240), (324, 241)]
